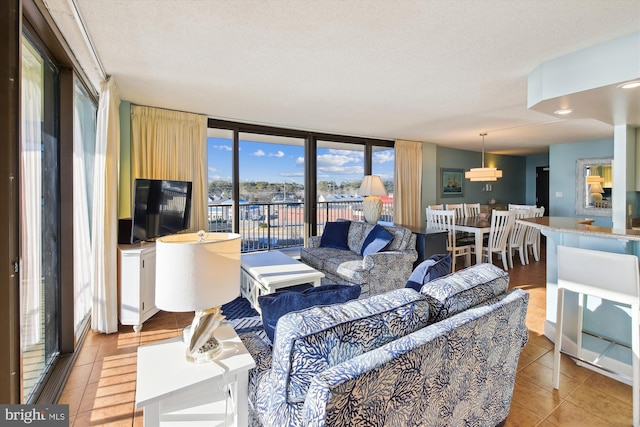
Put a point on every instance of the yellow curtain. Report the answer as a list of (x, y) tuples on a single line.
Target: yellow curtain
[(169, 144), (407, 198)]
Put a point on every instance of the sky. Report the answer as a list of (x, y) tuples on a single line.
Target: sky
[(270, 162)]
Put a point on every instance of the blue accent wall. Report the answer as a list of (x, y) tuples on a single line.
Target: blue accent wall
[(562, 182), (508, 189)]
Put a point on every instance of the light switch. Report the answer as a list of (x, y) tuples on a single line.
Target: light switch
[(558, 193)]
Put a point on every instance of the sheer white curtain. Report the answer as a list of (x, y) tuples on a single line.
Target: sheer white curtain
[(104, 218), (83, 158), (407, 197), (169, 144), (30, 201)]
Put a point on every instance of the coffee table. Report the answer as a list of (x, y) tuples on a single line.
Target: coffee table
[(173, 391), (265, 272)]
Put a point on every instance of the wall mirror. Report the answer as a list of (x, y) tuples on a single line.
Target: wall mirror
[(594, 181)]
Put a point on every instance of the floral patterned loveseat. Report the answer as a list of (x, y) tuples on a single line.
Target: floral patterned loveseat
[(445, 356), (375, 273)]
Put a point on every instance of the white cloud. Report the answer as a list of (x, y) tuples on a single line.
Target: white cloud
[(212, 169), (292, 174), (222, 147), (383, 156), (278, 154), (258, 153)]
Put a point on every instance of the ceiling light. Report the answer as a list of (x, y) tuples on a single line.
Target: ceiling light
[(563, 111), (630, 85), (483, 174)]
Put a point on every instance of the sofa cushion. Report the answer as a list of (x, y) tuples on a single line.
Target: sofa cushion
[(430, 269), (312, 340), (277, 304), (463, 289), (335, 235), (376, 241)]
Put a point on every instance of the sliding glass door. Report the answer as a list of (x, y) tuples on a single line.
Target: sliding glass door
[(39, 219)]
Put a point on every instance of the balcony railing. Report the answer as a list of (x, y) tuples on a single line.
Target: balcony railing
[(268, 226)]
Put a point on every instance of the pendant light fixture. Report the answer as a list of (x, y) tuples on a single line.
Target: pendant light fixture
[(483, 174)]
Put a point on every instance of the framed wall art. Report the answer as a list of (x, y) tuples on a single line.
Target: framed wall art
[(451, 182)]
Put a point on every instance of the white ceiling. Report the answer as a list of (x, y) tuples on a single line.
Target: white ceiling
[(434, 71)]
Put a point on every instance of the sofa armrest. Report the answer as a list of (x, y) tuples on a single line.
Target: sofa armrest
[(261, 353), (314, 241), (389, 270), (389, 258)]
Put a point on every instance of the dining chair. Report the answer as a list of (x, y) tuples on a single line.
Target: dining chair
[(589, 272), (457, 208), (445, 220), (532, 237), (472, 209), (501, 224), (517, 235)]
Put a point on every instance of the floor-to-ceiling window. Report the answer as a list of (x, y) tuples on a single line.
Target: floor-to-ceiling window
[(84, 147), (39, 218), (280, 193), (271, 171), (339, 173), (382, 164)]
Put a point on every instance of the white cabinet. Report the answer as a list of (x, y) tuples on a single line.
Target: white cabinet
[(136, 284)]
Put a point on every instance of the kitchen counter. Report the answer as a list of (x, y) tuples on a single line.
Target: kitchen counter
[(580, 226)]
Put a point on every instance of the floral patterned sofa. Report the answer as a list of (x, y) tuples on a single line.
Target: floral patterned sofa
[(442, 357), (375, 273)]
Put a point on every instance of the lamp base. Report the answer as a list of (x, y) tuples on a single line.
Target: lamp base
[(372, 209), (208, 352), (202, 346)]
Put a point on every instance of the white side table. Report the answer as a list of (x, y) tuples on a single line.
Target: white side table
[(173, 391)]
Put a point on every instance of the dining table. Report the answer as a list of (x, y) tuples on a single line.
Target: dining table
[(478, 226)]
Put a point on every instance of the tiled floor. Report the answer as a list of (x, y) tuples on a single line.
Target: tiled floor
[(101, 388)]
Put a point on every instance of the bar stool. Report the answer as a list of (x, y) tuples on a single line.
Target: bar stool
[(605, 275)]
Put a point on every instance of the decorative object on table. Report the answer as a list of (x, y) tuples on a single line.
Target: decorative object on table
[(198, 272), (372, 187), (483, 173), (451, 182)]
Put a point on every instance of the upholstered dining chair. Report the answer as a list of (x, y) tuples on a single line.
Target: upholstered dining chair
[(445, 220), (501, 224)]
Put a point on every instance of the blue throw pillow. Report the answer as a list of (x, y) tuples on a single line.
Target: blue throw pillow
[(436, 266), (278, 304), (377, 240), (335, 235)]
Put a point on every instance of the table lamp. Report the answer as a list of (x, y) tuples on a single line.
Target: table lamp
[(198, 272), (372, 187), (595, 189)]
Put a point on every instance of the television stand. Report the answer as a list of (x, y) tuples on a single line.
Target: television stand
[(136, 284)]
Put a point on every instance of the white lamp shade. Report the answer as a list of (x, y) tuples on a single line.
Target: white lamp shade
[(197, 275), (372, 185), (483, 174), (596, 188)]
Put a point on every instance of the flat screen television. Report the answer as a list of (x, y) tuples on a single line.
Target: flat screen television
[(160, 207)]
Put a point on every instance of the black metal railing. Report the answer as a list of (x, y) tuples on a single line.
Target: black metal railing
[(268, 226)]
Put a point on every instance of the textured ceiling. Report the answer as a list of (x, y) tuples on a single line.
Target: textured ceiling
[(435, 71)]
